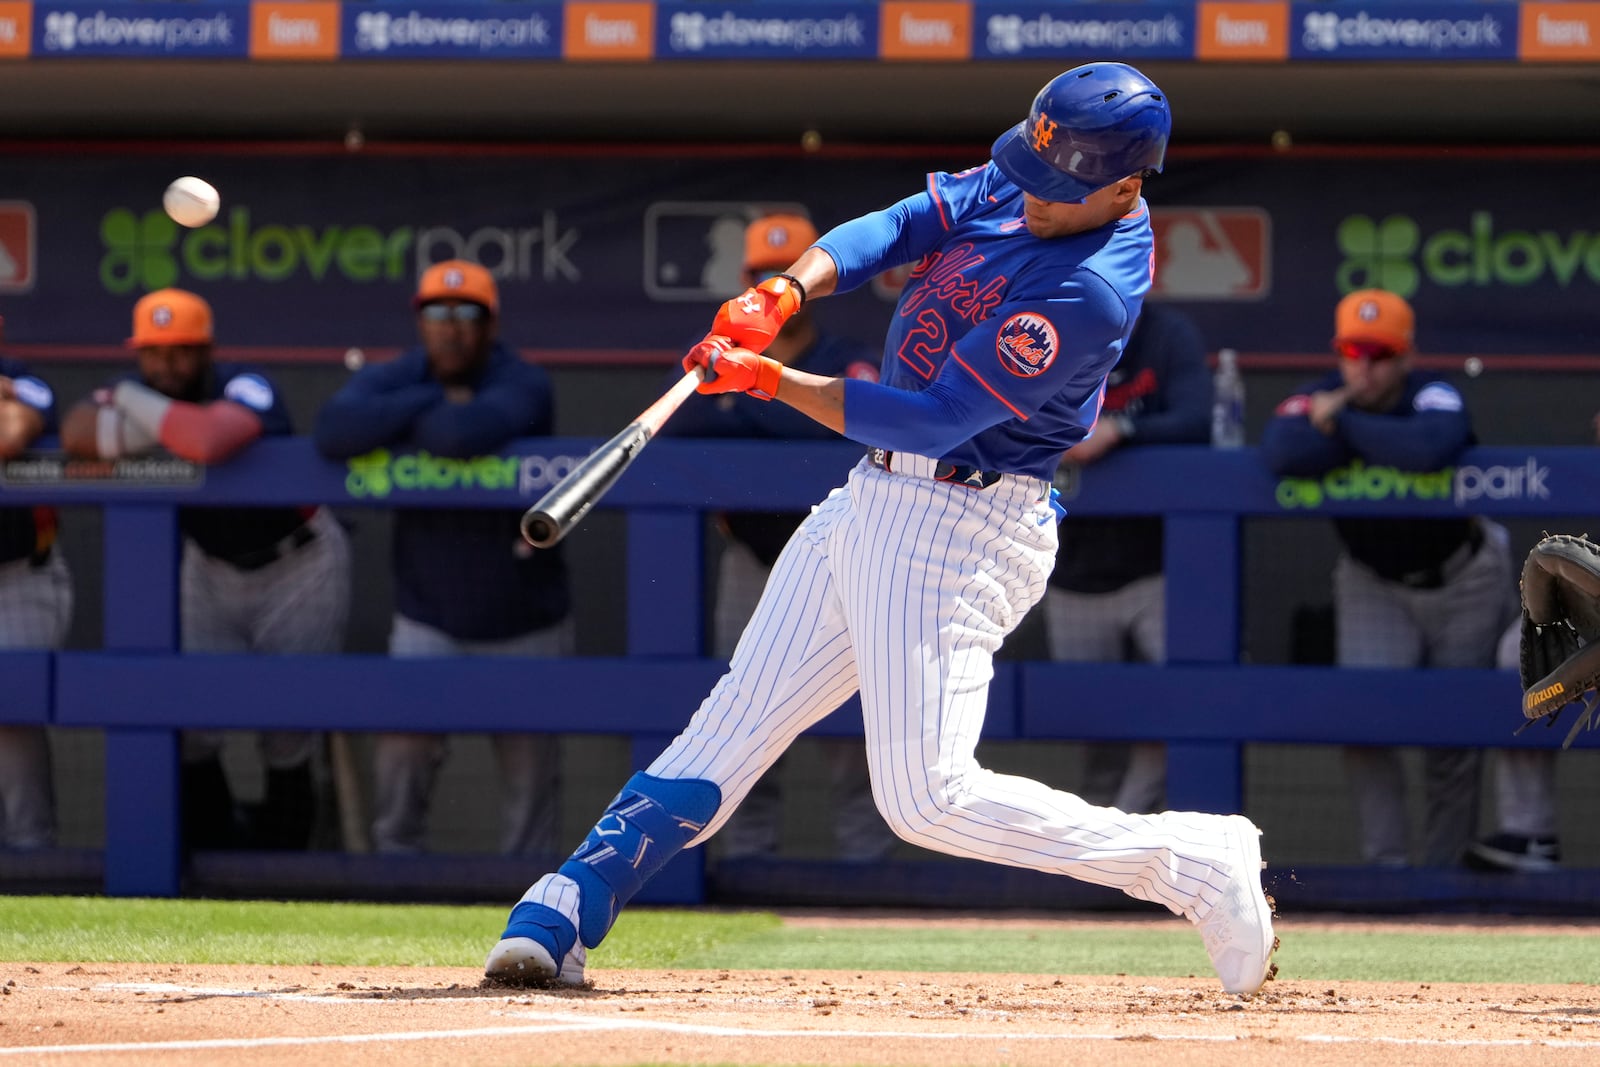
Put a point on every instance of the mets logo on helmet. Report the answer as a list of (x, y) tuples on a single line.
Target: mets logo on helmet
[(1026, 344)]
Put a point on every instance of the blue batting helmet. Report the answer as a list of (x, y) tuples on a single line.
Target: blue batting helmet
[(1094, 125)]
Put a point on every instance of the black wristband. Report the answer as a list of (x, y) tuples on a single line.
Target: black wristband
[(792, 280)]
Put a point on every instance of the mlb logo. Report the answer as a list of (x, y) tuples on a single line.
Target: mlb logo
[(1212, 253), (18, 239), (694, 250)]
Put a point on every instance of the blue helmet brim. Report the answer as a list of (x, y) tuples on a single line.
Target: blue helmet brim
[(1033, 175)]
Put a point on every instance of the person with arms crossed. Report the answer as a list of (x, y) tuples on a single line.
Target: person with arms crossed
[(1406, 592), (752, 541), (35, 611), (270, 581), (902, 584), (466, 584), (1107, 597)]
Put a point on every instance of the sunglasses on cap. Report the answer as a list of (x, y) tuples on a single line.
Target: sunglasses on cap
[(1376, 351), (453, 312)]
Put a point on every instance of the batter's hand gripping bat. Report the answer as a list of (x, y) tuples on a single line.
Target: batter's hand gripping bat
[(570, 499)]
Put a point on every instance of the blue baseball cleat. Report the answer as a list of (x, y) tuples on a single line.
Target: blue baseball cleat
[(540, 946)]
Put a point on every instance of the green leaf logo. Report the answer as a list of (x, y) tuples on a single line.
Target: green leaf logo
[(368, 475), (138, 251), (1378, 255)]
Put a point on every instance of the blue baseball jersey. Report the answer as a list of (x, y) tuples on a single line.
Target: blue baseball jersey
[(1007, 336), (26, 532), (235, 533)]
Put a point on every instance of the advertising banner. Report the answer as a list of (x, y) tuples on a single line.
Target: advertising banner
[(631, 253), (148, 29), (608, 30), (1564, 31), (294, 29), (16, 28), (1401, 30), (779, 31), (450, 31), (1241, 30), (1084, 31), (1406, 31)]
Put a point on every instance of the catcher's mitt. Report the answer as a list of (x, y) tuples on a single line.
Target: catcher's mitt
[(1560, 627)]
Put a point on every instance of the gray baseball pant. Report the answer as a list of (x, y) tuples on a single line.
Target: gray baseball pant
[(406, 765), (35, 611), (1105, 628), (1386, 624)]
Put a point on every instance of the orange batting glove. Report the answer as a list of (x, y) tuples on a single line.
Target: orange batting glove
[(754, 317), (730, 369)]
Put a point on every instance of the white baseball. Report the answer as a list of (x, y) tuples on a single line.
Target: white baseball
[(191, 201)]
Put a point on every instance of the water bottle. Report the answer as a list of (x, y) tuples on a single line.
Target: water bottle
[(1227, 402)]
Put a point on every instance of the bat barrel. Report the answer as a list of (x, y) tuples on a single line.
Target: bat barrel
[(570, 499)]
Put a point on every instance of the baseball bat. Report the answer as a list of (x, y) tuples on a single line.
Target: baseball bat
[(570, 499), (347, 793)]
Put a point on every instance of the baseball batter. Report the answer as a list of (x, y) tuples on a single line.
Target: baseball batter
[(1029, 274)]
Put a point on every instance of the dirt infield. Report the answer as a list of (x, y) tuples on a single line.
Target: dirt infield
[(267, 1016)]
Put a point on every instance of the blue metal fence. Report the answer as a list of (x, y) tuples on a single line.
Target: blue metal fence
[(1204, 703)]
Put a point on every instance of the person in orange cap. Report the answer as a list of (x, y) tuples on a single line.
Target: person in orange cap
[(262, 580), (1407, 592), (466, 583)]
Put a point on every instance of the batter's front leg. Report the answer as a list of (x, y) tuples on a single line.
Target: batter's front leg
[(793, 666)]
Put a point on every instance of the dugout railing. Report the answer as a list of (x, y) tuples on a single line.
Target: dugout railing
[(1204, 703)]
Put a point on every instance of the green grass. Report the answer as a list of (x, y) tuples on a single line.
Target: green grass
[(89, 929)]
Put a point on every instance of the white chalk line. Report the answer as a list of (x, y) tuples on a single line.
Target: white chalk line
[(556, 1022)]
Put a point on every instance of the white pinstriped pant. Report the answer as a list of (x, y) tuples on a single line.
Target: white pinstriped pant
[(859, 833), (904, 587)]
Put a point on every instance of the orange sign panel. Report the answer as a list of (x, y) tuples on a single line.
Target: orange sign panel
[(604, 30), (924, 29), (294, 29), (1560, 31), (16, 29), (1212, 253), (1241, 30)]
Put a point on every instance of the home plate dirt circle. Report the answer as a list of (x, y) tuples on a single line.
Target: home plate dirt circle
[(243, 1016)]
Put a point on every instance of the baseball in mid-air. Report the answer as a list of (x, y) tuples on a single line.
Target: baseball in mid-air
[(191, 201)]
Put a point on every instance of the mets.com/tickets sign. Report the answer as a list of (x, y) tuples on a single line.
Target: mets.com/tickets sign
[(892, 30)]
